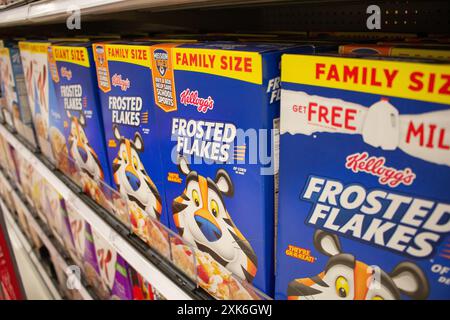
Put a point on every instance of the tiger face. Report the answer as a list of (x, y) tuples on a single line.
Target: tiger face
[(202, 219), (130, 176), (346, 278), (81, 152)]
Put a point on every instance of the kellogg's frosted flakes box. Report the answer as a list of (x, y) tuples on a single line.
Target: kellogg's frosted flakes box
[(76, 125), (12, 82), (126, 94), (41, 94), (218, 105), (364, 171)]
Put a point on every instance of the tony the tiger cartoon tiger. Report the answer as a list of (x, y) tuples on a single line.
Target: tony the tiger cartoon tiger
[(80, 150), (202, 219), (345, 277), (130, 176)]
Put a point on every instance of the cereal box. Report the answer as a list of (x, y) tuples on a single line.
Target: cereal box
[(41, 93), (364, 169), (397, 51), (86, 257), (15, 92), (114, 270), (76, 126), (7, 85), (53, 207), (126, 94), (217, 104), (142, 290)]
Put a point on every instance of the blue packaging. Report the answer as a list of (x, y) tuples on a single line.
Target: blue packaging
[(76, 119), (218, 106), (12, 82), (364, 171), (126, 95)]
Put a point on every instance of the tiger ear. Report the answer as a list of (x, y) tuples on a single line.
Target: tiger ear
[(82, 120), (410, 280), (327, 243), (183, 165), (138, 142), (116, 132), (224, 183), (69, 115)]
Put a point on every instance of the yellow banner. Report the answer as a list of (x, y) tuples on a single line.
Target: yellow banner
[(24, 46), (410, 80), (34, 47), (245, 66), (139, 55), (4, 52), (75, 55), (52, 66)]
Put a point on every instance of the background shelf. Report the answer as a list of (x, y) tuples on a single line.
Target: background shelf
[(134, 16)]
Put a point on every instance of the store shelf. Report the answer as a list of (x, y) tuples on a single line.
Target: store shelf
[(134, 16), (170, 283), (28, 248), (49, 244), (55, 10)]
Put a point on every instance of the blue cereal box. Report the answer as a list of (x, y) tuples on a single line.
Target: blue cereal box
[(40, 91), (76, 119), (126, 94), (364, 172), (218, 107), (13, 86)]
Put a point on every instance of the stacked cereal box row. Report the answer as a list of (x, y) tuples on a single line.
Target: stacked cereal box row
[(105, 271), (188, 135), (158, 123)]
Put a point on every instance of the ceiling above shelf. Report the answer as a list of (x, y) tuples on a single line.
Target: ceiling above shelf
[(58, 10), (134, 16)]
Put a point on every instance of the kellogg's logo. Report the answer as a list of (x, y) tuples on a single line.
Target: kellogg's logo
[(117, 81), (66, 73), (362, 162), (188, 97), (161, 60)]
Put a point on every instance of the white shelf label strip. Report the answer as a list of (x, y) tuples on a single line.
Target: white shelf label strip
[(150, 272)]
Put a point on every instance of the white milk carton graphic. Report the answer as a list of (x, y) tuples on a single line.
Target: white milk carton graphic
[(381, 126)]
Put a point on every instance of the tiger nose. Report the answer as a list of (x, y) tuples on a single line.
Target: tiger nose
[(208, 228), (83, 154), (134, 181)]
